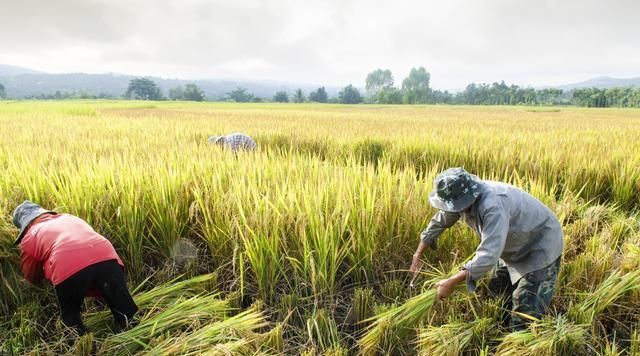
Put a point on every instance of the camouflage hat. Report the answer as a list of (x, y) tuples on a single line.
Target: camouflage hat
[(455, 190)]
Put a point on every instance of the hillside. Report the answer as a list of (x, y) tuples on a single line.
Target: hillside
[(603, 83), (22, 82)]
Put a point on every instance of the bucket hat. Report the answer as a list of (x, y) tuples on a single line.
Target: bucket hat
[(454, 190), (24, 215)]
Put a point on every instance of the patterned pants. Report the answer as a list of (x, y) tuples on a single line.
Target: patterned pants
[(531, 295)]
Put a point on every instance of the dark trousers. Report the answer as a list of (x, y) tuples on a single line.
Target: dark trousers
[(531, 295), (106, 277)]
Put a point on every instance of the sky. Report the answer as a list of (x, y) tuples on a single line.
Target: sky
[(334, 42)]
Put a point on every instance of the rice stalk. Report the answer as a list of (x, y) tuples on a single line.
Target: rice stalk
[(547, 337), (399, 319), (456, 338)]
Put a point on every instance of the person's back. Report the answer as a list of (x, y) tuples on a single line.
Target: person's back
[(534, 235), (78, 261), (235, 142), (65, 244)]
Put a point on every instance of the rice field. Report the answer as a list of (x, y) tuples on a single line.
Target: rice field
[(302, 248)]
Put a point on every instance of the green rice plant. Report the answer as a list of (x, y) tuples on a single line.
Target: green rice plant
[(235, 334), (547, 337), (322, 330), (606, 295), (323, 245), (591, 266), (168, 212), (393, 289), (611, 349), (11, 286), (311, 351), (631, 255), (262, 247), (334, 200), (362, 306), (24, 331), (130, 224), (157, 324), (634, 343), (274, 339), (457, 337), (157, 298), (336, 351), (84, 345)]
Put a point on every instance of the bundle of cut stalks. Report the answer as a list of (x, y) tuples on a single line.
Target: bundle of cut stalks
[(154, 300), (569, 334), (455, 338), (396, 322), (549, 337)]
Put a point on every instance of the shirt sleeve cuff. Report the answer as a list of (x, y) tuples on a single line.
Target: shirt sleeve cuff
[(429, 240), (470, 282)]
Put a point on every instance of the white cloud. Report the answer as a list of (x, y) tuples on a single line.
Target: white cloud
[(327, 42)]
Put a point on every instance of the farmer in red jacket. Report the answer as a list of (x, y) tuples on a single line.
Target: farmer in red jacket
[(78, 261)]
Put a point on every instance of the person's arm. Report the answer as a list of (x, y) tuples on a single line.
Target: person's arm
[(495, 226), (446, 286), (494, 236), (32, 269), (441, 221), (428, 238)]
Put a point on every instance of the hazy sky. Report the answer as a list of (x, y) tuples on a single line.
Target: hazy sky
[(532, 42)]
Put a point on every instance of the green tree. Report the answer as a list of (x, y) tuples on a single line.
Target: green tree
[(3, 94), (319, 95), (378, 80), (389, 96), (415, 87), (193, 93), (349, 95), (240, 95), (281, 97), (143, 89), (176, 93), (298, 96)]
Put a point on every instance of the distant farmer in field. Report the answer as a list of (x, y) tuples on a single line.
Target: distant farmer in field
[(78, 261), (520, 239), (234, 142)]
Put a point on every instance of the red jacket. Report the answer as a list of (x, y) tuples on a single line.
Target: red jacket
[(57, 246)]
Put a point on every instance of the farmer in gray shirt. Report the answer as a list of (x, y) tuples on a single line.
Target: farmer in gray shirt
[(520, 240)]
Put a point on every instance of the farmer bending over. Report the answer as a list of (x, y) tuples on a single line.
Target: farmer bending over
[(78, 261), (235, 142), (519, 236)]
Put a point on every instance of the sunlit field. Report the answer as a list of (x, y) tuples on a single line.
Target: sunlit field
[(303, 247)]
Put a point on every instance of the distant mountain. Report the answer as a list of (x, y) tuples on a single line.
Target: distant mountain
[(7, 70), (22, 82), (603, 83)]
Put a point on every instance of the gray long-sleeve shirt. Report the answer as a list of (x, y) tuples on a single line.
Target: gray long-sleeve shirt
[(514, 228)]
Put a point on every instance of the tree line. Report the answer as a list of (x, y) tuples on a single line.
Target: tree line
[(626, 97), (381, 88)]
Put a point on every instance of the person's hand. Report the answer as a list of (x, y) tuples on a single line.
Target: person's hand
[(444, 288), (416, 265)]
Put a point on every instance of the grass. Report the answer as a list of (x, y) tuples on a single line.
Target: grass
[(318, 227)]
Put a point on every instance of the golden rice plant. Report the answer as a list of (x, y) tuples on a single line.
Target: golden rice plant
[(333, 201), (547, 337), (397, 321), (456, 338)]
